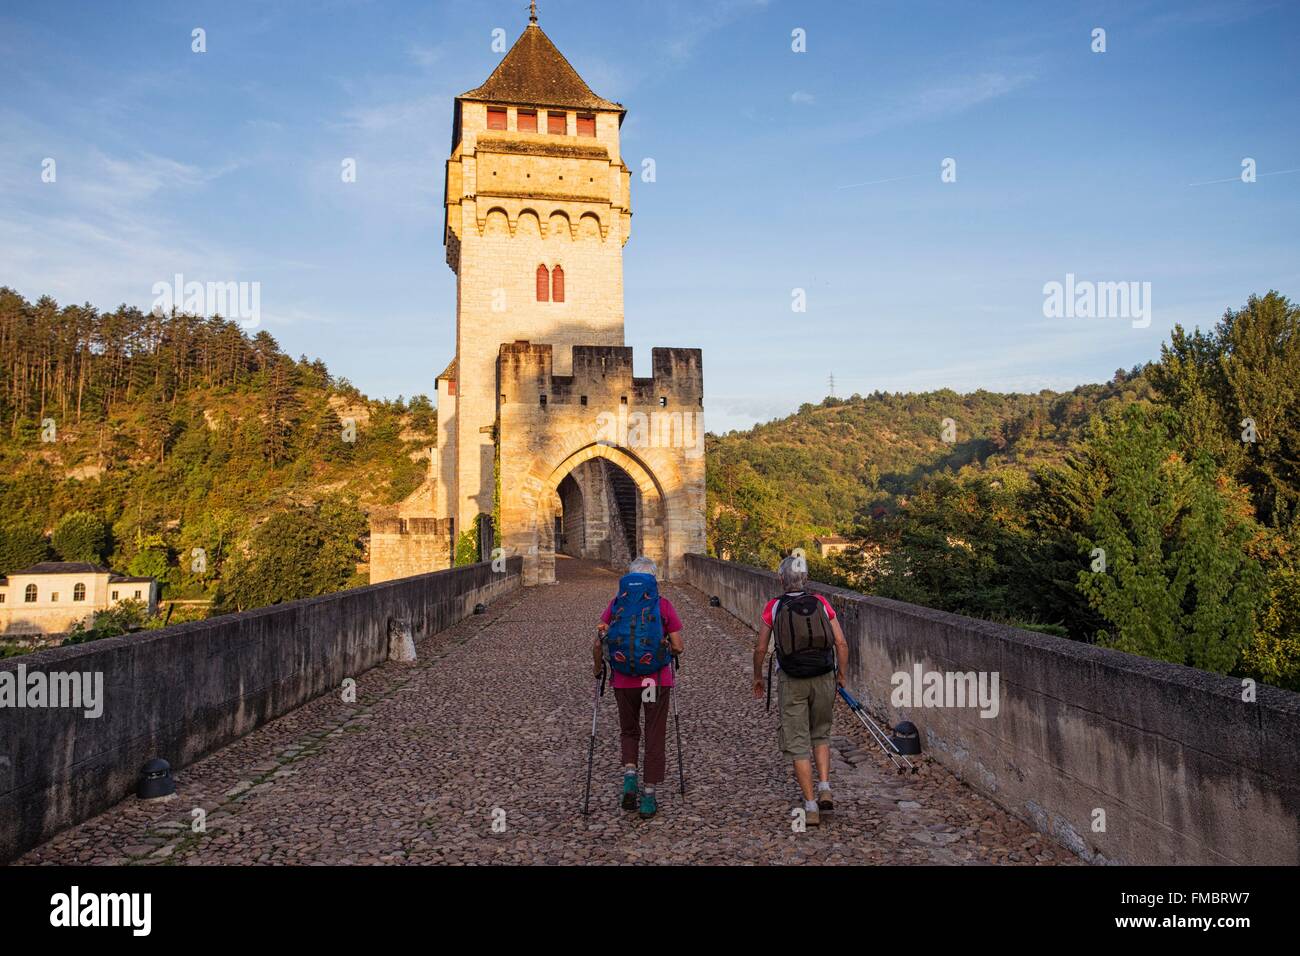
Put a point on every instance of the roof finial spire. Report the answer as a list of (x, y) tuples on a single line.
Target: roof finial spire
[(532, 11)]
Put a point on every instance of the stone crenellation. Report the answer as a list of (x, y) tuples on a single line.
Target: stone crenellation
[(599, 373), (411, 526), (401, 547)]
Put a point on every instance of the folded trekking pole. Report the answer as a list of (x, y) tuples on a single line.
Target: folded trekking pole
[(892, 752), (681, 771), (597, 692)]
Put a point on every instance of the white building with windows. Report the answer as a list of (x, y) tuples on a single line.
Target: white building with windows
[(50, 597)]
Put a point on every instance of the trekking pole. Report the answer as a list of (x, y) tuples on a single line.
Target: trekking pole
[(597, 691), (681, 770), (896, 757)]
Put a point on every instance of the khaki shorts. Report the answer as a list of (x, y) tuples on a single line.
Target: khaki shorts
[(806, 705)]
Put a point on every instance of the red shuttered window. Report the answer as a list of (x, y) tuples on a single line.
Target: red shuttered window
[(557, 123), (527, 121), (496, 119), (586, 126), (543, 284), (557, 284)]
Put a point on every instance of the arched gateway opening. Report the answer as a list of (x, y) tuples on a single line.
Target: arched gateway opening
[(599, 514), (600, 504)]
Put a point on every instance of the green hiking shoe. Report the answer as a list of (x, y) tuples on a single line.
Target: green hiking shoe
[(629, 791), (649, 806)]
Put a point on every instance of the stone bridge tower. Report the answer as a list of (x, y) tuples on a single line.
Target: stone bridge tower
[(540, 421)]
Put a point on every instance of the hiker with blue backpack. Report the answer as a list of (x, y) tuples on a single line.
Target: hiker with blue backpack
[(811, 655), (639, 636)]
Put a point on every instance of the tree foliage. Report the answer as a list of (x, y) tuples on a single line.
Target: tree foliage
[(1196, 513), (297, 553), (1246, 369), (81, 536), (115, 621), (183, 434), (1177, 584), (21, 546)]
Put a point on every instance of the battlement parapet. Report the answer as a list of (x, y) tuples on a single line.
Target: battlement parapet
[(602, 374), (432, 526)]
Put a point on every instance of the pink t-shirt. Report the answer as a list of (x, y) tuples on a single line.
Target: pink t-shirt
[(771, 606), (672, 624)]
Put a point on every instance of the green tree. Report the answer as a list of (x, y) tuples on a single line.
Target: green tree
[(119, 619), (745, 519), (466, 548), (21, 546), (297, 553), (958, 545), (158, 431), (1248, 368), (424, 417), (150, 563), (1260, 348), (1059, 509), (205, 544), (81, 536), (345, 529), (1178, 583), (282, 410), (1274, 655)]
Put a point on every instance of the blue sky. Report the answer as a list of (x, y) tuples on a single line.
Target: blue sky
[(776, 170)]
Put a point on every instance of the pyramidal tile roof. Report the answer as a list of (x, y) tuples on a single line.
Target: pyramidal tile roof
[(535, 72)]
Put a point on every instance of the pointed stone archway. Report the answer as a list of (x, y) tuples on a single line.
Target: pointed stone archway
[(536, 540)]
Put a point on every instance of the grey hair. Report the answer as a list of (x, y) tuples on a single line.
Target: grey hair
[(643, 565), (794, 572)]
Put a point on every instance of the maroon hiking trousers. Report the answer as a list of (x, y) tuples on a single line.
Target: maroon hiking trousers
[(656, 729)]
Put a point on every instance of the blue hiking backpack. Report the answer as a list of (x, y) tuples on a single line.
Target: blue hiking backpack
[(634, 643)]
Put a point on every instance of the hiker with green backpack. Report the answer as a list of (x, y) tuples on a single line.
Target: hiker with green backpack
[(811, 654), (639, 636)]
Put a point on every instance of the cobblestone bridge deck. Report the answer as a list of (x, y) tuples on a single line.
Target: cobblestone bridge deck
[(495, 716)]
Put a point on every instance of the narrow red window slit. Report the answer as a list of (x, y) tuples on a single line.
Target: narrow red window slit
[(543, 284)]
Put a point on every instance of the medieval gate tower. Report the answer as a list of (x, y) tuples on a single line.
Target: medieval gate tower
[(541, 424)]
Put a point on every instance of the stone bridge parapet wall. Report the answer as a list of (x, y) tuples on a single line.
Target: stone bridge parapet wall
[(182, 692), (1183, 769)]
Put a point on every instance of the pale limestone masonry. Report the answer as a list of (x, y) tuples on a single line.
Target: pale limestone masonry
[(650, 428), (402, 547), (53, 596), (538, 209)]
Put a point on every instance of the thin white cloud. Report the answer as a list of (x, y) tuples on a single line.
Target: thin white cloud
[(695, 23), (959, 94), (115, 182), (401, 114), (425, 56), (101, 231), (398, 145), (937, 100)]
